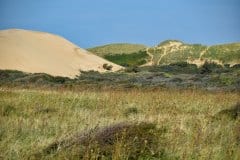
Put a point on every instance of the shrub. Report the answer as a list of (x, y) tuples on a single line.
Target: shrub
[(133, 69), (107, 67), (209, 67), (236, 66)]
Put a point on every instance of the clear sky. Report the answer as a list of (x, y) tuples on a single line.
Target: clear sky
[(89, 23)]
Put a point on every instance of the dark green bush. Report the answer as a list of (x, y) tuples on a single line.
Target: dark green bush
[(209, 67), (133, 69)]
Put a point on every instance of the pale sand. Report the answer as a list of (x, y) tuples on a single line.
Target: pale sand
[(35, 52)]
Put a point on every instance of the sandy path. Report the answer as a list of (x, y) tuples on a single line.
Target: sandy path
[(164, 54), (203, 52), (149, 63)]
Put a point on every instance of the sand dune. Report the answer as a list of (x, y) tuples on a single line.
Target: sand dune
[(31, 51)]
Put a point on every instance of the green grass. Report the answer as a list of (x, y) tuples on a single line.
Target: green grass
[(118, 53), (133, 59), (192, 52), (32, 120), (118, 48), (226, 53)]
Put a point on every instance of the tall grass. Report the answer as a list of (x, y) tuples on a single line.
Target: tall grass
[(31, 120)]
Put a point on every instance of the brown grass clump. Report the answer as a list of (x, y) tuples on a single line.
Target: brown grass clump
[(118, 141)]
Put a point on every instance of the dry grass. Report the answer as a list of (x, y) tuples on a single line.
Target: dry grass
[(31, 120)]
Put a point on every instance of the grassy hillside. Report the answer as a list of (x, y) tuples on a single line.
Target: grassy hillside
[(128, 60), (171, 51), (226, 53), (123, 54), (156, 124), (118, 48)]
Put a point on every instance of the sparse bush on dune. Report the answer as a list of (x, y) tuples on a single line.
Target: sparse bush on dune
[(107, 67), (18, 77)]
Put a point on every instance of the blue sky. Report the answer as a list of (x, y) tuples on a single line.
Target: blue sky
[(89, 23)]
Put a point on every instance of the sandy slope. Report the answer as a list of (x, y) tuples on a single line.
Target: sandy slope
[(31, 51)]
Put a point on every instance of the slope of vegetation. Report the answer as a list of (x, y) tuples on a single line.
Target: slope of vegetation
[(182, 55), (127, 60), (138, 124), (226, 53), (118, 48), (171, 51)]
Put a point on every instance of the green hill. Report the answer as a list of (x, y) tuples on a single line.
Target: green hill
[(169, 52), (226, 53), (124, 54), (116, 48), (173, 51)]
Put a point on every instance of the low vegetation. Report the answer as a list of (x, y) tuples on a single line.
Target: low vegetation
[(225, 53), (210, 76), (111, 124)]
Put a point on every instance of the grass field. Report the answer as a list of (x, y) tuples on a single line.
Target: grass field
[(187, 124)]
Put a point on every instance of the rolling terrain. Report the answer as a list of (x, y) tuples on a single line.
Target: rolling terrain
[(173, 51), (34, 52)]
